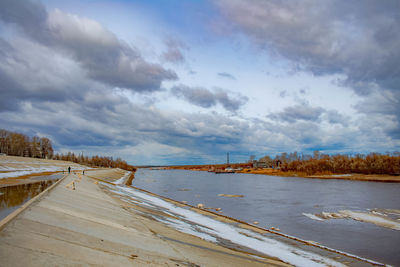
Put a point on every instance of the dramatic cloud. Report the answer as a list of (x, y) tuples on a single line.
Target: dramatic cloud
[(104, 57), (55, 78), (357, 39), (205, 98), (83, 125), (226, 75), (70, 78)]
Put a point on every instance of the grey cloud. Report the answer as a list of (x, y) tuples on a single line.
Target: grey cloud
[(44, 78), (306, 113), (205, 98), (333, 116), (198, 96), (382, 110), (174, 51), (226, 75), (357, 39), (102, 120), (98, 51), (31, 16), (8, 89), (86, 123), (53, 95), (298, 112), (230, 103)]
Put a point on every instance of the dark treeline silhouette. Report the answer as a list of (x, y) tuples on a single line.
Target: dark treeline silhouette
[(17, 144), (373, 163)]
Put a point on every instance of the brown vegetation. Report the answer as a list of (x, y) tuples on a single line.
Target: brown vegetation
[(371, 167), (95, 161), (372, 163), (17, 144)]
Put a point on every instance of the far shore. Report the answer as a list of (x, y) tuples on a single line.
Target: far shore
[(277, 172)]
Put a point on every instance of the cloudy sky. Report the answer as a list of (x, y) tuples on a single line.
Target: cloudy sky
[(183, 81)]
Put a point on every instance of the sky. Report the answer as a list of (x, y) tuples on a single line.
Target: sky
[(186, 81)]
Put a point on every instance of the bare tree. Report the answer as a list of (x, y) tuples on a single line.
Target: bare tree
[(46, 148)]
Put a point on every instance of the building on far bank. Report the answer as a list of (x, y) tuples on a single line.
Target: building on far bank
[(260, 164), (264, 164)]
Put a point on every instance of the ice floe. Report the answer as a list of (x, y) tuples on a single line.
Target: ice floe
[(312, 216), (378, 217)]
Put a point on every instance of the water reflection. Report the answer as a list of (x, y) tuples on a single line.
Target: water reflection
[(12, 197)]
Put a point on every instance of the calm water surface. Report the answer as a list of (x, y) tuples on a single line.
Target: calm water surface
[(12, 197), (280, 202)]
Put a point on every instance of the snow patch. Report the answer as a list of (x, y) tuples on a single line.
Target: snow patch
[(122, 179), (211, 229)]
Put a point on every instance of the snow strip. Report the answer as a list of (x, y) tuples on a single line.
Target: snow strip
[(122, 179), (14, 172), (216, 229), (28, 172)]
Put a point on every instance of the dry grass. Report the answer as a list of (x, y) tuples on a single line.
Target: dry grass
[(320, 175), (355, 177)]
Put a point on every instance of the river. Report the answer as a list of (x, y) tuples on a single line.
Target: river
[(281, 202)]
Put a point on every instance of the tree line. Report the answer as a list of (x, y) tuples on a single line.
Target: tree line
[(95, 161), (372, 163), (17, 144)]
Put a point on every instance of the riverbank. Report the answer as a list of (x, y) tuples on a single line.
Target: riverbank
[(278, 172), (91, 220), (352, 176), (78, 223)]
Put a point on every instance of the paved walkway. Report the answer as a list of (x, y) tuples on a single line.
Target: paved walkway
[(85, 226)]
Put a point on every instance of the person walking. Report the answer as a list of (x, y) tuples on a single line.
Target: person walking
[(69, 169)]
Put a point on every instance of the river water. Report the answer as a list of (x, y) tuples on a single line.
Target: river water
[(281, 201)]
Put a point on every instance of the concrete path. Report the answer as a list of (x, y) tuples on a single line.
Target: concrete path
[(78, 224)]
